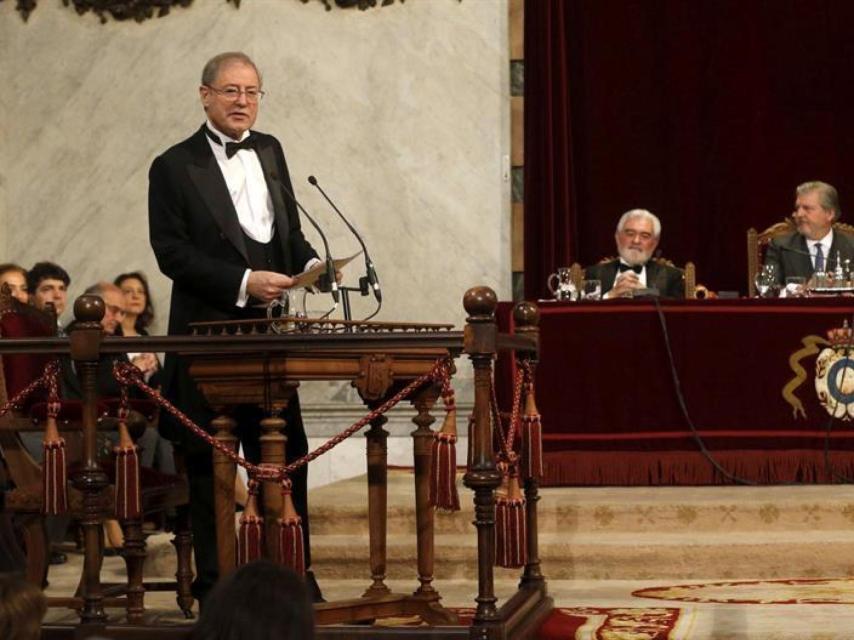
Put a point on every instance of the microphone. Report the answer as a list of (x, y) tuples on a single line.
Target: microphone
[(329, 276), (373, 281)]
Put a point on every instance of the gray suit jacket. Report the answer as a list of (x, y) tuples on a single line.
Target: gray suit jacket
[(790, 255)]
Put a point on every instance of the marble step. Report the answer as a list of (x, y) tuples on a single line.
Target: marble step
[(613, 556), (342, 507)]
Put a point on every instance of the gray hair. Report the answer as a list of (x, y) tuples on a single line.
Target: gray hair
[(828, 197), (100, 288), (640, 213), (213, 66)]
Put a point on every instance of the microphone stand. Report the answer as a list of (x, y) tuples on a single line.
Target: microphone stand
[(367, 283)]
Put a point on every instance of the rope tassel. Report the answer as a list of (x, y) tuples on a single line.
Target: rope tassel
[(128, 499), (443, 463), (54, 469), (511, 543), (532, 439), (291, 552), (250, 536)]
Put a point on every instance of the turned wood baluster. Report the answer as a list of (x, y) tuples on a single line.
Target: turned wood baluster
[(422, 441), (482, 477), (224, 472), (90, 480), (273, 444), (377, 455), (527, 317)]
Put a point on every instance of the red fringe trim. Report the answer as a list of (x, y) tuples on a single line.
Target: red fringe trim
[(54, 478), (511, 539), (250, 535), (443, 472), (128, 498), (673, 468), (291, 552), (250, 539)]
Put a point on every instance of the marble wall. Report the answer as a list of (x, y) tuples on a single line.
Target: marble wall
[(401, 112)]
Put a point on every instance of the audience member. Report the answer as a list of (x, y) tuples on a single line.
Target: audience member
[(15, 277), (22, 607), (637, 236), (48, 284), (259, 601), (139, 314), (814, 246)]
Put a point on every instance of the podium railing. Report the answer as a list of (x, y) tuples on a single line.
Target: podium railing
[(378, 360)]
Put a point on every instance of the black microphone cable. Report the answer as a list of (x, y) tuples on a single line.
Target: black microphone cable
[(683, 406)]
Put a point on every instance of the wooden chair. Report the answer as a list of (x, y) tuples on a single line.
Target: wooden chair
[(757, 243), (690, 272), (24, 499)]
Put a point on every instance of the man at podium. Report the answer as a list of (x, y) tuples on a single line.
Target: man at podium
[(225, 229)]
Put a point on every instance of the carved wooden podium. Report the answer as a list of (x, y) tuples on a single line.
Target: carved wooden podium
[(240, 363), (376, 372)]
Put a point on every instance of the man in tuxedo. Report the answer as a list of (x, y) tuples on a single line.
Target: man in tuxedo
[(637, 236), (225, 230), (814, 246)]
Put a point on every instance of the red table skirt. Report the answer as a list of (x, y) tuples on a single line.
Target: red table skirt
[(610, 409)]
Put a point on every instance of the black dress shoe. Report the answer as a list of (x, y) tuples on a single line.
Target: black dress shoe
[(313, 588), (57, 557)]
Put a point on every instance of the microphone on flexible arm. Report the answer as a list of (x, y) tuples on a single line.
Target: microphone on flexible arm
[(327, 280), (371, 274)]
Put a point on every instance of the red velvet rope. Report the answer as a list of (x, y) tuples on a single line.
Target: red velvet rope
[(508, 438), (48, 380), (127, 374)]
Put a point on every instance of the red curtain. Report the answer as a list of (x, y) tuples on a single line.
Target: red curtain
[(707, 112)]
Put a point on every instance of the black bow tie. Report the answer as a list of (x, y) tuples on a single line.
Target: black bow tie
[(624, 267), (233, 147)]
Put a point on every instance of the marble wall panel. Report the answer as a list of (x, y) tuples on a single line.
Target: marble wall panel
[(401, 112)]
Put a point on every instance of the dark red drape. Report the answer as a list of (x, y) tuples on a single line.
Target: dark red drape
[(706, 112)]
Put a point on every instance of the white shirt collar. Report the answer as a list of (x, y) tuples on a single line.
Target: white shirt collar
[(224, 138), (826, 242)]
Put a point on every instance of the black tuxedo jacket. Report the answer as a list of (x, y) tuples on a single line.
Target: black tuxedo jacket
[(200, 246), (668, 280), (790, 255)]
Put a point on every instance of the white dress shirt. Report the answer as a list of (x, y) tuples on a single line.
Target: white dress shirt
[(826, 242), (641, 277), (247, 187)]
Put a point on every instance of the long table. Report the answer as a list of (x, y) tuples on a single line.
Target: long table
[(611, 413)]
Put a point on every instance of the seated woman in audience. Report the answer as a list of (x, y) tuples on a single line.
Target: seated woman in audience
[(139, 314), (259, 601), (16, 278)]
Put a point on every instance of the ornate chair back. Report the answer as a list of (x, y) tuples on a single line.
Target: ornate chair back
[(757, 243)]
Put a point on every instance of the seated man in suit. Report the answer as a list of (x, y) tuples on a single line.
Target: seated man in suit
[(637, 236), (48, 283), (814, 246)]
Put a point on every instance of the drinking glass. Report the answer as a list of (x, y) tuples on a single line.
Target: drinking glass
[(591, 290), (766, 281), (795, 287), (561, 285)]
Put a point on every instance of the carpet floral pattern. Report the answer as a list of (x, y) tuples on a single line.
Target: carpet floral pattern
[(796, 591)]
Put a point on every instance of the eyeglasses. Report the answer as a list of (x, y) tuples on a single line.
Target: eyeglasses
[(233, 93)]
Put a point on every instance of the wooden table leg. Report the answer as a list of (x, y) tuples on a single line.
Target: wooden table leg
[(224, 474), (273, 444), (377, 454), (422, 440)]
